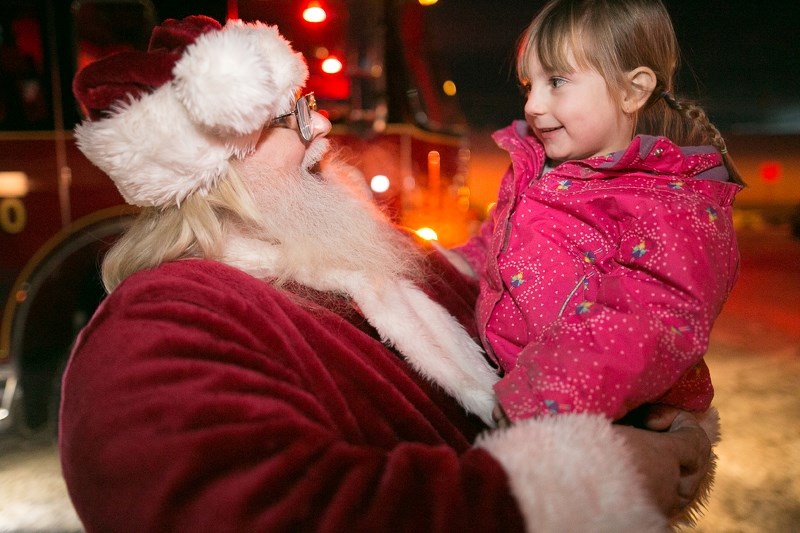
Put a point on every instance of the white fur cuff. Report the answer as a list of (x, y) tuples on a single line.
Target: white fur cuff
[(572, 473)]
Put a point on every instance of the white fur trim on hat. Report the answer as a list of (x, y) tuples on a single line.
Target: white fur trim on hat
[(151, 150), (177, 140), (234, 80)]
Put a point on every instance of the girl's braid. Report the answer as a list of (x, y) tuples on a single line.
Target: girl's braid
[(698, 120)]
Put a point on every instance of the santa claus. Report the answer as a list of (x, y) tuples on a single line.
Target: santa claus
[(274, 355)]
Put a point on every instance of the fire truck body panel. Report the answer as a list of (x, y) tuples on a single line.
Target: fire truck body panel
[(59, 213)]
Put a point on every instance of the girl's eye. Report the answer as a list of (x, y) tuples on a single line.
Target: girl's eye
[(556, 82)]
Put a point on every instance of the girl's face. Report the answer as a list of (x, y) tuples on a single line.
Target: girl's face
[(573, 113)]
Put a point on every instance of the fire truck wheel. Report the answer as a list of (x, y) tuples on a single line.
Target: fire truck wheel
[(36, 417)]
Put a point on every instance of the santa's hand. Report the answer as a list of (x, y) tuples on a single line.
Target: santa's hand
[(694, 466), (660, 417), (673, 463)]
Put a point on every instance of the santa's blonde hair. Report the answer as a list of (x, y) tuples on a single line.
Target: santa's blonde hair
[(336, 207), (195, 229)]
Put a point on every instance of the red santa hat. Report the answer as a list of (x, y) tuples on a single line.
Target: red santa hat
[(163, 124)]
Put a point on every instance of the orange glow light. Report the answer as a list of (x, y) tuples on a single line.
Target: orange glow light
[(13, 184), (427, 233), (379, 183), (434, 170)]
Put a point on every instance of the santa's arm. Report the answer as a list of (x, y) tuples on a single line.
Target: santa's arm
[(189, 410)]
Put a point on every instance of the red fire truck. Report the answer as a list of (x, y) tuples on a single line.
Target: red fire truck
[(58, 213)]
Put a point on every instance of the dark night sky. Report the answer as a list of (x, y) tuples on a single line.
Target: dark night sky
[(741, 59)]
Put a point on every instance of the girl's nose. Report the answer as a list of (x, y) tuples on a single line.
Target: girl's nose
[(320, 125), (533, 105)]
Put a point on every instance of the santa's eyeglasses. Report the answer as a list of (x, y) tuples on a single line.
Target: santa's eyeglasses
[(302, 113)]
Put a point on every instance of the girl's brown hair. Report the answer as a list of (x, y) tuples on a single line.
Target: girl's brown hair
[(614, 37)]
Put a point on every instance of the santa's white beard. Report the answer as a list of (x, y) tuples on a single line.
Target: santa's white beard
[(317, 222), (321, 230)]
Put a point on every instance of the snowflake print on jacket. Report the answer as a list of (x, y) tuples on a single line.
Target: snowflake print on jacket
[(623, 278)]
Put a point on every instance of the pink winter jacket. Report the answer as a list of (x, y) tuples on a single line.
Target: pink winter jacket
[(601, 279)]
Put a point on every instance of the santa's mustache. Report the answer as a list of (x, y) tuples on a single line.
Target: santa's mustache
[(315, 152), (324, 219)]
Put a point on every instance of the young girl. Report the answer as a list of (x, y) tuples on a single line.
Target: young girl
[(611, 249)]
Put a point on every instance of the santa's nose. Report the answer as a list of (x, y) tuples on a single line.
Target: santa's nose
[(320, 125)]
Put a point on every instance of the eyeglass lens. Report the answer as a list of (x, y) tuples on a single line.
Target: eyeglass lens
[(304, 117)]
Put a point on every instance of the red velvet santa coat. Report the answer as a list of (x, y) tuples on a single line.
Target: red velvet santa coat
[(202, 399)]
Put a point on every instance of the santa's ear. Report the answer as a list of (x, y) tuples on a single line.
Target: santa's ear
[(641, 83)]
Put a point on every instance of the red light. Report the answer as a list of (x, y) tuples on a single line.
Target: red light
[(314, 13), (233, 10), (329, 86), (771, 171)]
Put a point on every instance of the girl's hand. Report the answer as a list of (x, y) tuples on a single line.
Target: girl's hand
[(500, 418)]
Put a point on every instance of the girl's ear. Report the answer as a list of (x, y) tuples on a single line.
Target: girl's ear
[(641, 82)]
